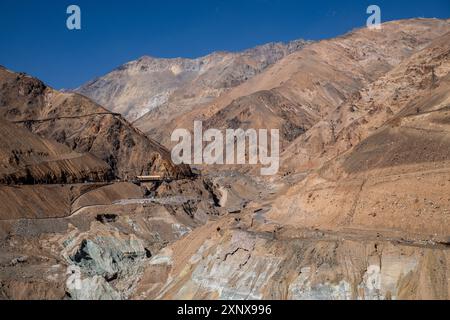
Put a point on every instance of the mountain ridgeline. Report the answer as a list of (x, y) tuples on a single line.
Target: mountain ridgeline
[(83, 126), (359, 209)]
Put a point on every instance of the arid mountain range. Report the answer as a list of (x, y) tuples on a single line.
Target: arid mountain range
[(359, 210), (177, 85), (313, 81)]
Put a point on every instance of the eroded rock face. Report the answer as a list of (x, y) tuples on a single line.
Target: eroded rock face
[(94, 288), (409, 101), (361, 211), (96, 240), (245, 265), (103, 263)]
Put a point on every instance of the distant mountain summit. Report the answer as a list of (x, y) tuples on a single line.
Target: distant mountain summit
[(171, 86)]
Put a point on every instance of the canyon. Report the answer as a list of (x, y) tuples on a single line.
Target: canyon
[(359, 209)]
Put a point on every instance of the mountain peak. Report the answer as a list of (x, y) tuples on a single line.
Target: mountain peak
[(156, 81)]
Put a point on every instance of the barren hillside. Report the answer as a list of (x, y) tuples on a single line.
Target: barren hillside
[(164, 87), (27, 158), (321, 76), (359, 210), (82, 125)]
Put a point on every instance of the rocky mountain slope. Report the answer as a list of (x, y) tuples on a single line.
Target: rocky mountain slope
[(368, 221), (360, 209), (321, 76), (264, 110), (417, 82), (157, 89), (150, 83), (28, 158), (83, 126), (55, 186)]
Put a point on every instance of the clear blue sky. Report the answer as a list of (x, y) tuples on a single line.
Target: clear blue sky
[(34, 38)]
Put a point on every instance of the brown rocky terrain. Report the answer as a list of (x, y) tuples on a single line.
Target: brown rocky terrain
[(388, 163), (164, 87), (264, 110), (307, 265), (321, 76), (416, 85), (83, 126), (66, 164), (363, 212), (359, 210), (28, 158)]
